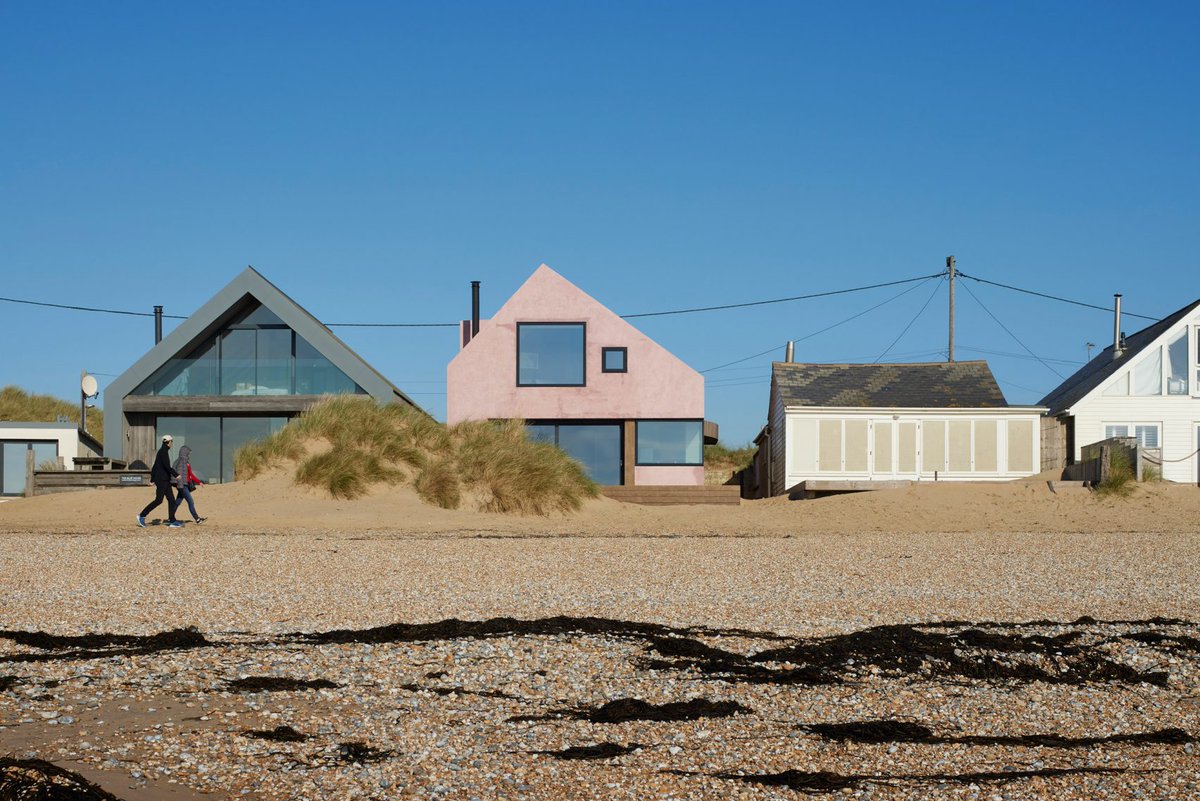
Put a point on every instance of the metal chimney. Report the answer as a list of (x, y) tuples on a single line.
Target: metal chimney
[(474, 308), (157, 324), (1117, 326), (790, 353)]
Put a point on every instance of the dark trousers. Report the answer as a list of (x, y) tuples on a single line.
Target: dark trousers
[(161, 491), (186, 495)]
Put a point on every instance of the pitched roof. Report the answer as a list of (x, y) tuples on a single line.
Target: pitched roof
[(216, 312), (1095, 372), (949, 385)]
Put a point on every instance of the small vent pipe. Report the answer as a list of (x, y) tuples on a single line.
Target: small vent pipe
[(1117, 350), (790, 353), (474, 308), (157, 324)]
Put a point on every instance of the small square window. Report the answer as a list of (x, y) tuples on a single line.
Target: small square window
[(615, 360)]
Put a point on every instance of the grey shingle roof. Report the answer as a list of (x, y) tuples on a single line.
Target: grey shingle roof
[(950, 385), (1093, 374)]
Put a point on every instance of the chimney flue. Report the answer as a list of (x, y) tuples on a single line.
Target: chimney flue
[(790, 352), (157, 324), (474, 308), (1117, 350)]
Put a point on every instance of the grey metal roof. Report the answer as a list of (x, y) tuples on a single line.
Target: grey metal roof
[(217, 312), (933, 385), (1095, 372)]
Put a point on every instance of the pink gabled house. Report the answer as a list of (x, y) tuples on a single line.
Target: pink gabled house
[(583, 379)]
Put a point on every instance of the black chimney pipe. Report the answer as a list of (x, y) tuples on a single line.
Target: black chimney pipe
[(157, 324), (474, 308)]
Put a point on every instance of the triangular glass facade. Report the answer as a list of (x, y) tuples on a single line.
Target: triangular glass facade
[(254, 354)]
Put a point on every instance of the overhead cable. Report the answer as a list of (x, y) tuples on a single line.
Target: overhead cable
[(780, 300), (828, 327), (1011, 334), (89, 309), (961, 274), (920, 311)]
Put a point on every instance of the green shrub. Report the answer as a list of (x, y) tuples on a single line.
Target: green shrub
[(735, 459), (495, 463), (1120, 482), (18, 405)]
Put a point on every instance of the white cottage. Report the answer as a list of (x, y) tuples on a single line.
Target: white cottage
[(1146, 386), (945, 421)]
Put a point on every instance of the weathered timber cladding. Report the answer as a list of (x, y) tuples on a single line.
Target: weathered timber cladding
[(1054, 443)]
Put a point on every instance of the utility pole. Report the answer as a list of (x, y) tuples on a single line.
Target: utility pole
[(950, 272)]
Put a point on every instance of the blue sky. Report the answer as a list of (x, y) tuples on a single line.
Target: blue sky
[(371, 159)]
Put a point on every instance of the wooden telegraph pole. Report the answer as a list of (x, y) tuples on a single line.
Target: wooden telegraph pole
[(950, 272)]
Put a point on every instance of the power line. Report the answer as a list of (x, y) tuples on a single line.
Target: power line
[(779, 300), (89, 309), (921, 311), (1011, 334), (1074, 362), (961, 274), (826, 328)]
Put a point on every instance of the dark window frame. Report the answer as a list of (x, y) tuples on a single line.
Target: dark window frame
[(624, 359), (591, 421), (583, 355), (637, 453)]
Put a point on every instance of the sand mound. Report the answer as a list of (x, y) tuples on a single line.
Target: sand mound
[(273, 503)]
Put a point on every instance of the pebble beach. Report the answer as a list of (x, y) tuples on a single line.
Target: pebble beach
[(359, 663)]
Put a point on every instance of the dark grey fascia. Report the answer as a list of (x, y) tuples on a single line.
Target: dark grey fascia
[(208, 318)]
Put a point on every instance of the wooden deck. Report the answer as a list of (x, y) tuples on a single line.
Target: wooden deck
[(724, 495), (48, 482)]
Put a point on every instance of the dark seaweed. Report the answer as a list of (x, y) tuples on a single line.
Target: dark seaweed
[(598, 751), (897, 731), (359, 753), (96, 646), (279, 734), (277, 684), (621, 710), (38, 780)]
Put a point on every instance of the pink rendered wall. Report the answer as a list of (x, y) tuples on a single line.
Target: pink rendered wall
[(481, 381), (668, 476)]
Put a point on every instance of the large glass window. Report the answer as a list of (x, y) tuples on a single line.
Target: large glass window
[(12, 463), (597, 446), (214, 440), (255, 355), (550, 354), (670, 442)]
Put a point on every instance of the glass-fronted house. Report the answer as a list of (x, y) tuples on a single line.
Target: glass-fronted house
[(587, 381), (238, 369)]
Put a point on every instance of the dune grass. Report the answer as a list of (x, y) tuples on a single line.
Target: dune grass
[(723, 457), (21, 406), (346, 445)]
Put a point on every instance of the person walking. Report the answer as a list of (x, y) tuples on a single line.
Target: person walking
[(162, 474), (186, 480)]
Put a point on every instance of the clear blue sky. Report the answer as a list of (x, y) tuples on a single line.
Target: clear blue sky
[(373, 158)]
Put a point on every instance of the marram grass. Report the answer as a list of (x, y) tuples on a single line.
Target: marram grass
[(494, 465), (21, 406)]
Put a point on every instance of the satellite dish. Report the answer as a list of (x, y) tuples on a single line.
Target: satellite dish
[(88, 385)]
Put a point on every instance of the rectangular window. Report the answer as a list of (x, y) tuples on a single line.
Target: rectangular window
[(670, 442), (596, 446), (1177, 365), (1147, 434), (615, 360), (550, 354)]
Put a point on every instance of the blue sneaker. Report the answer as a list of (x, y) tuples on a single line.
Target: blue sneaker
[(141, 521), (175, 524)]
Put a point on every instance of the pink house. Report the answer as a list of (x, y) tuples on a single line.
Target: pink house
[(585, 380)]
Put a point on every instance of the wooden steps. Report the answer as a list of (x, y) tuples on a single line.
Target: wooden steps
[(724, 495)]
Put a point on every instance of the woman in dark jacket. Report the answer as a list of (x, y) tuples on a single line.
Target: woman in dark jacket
[(185, 479), (162, 475)]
